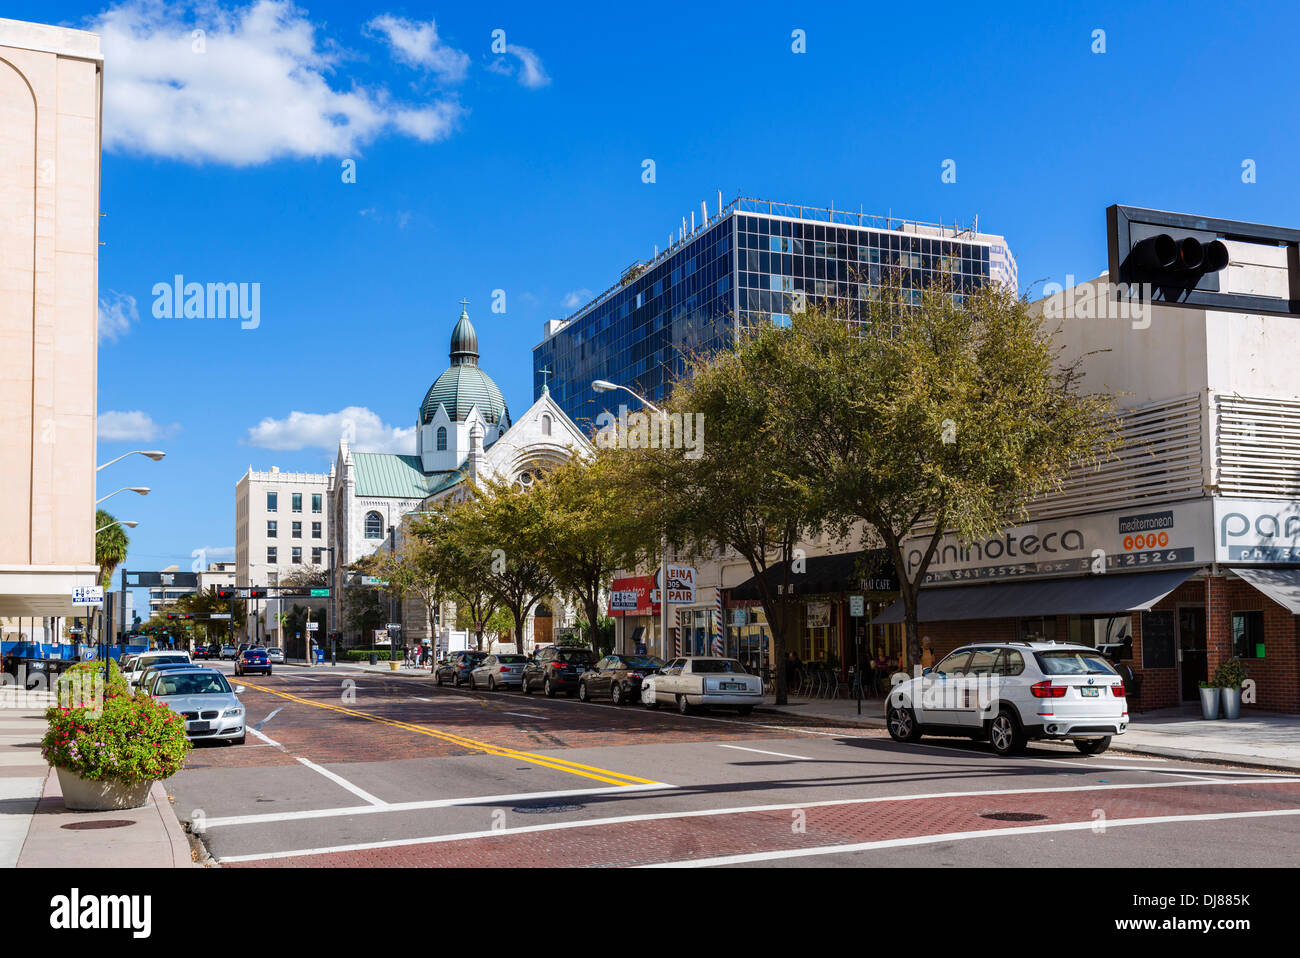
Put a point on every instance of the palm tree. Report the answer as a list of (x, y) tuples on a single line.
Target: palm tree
[(110, 546)]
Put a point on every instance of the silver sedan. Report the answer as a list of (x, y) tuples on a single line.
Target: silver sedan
[(497, 671), (203, 697)]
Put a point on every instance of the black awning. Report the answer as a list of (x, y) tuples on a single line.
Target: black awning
[(824, 575), (1078, 595)]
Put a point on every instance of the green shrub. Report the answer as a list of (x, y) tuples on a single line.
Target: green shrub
[(128, 738), (82, 676), (1230, 674)]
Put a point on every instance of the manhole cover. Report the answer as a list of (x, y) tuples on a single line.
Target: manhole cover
[(1013, 816), (100, 823), (547, 808)]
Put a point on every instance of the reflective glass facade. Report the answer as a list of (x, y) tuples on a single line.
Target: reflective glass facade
[(743, 268)]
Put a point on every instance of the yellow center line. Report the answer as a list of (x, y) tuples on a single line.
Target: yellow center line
[(560, 764)]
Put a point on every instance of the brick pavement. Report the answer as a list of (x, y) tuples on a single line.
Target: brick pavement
[(666, 840)]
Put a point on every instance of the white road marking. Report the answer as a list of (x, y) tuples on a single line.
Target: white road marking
[(265, 738), (421, 806), (340, 780), (963, 836), (267, 719), (527, 715), (622, 819), (741, 748)]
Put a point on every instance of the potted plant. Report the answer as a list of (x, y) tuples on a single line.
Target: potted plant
[(1209, 700), (107, 745), (1229, 677)]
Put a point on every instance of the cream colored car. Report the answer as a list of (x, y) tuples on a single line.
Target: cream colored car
[(692, 681)]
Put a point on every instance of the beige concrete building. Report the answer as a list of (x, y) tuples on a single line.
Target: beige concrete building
[(51, 84)]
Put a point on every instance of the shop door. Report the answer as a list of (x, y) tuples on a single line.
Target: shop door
[(1193, 664)]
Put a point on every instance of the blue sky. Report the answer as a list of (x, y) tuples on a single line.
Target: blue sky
[(521, 170)]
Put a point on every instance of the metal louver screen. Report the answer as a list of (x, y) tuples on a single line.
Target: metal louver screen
[(1258, 443)]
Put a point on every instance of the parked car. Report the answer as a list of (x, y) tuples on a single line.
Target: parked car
[(228, 652), (145, 659), (1008, 693), (499, 669), (618, 676), (556, 669), (204, 699), (253, 659), (456, 668), (276, 656), (151, 672), (693, 681)]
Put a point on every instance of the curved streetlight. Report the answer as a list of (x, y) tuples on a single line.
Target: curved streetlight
[(120, 522), (604, 386), (153, 454), (142, 490)]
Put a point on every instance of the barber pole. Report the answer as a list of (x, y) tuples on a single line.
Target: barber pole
[(717, 624)]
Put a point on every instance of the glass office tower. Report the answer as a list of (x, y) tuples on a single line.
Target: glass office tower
[(752, 263)]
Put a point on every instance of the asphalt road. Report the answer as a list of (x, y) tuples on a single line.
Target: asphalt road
[(349, 768)]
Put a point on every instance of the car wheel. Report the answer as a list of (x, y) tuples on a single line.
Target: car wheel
[(492, 683), (683, 706), (550, 692), (583, 695), (1092, 746), (1005, 734), (437, 679), (744, 710), (268, 670), (616, 694), (902, 724), (523, 686)]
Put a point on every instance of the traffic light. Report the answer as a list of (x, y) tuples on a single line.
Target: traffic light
[(1166, 259), (257, 592), (227, 592)]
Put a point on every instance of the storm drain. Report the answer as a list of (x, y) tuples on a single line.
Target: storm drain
[(546, 808), (101, 823), (1013, 816)]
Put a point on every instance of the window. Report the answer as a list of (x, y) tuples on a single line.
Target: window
[(315, 530), (1010, 662), (374, 525), (1248, 635), (442, 438), (983, 662), (271, 526), (546, 425), (297, 555), (1040, 628), (271, 499), (271, 558), (315, 502), (297, 530), (297, 502), (954, 664), (316, 554)]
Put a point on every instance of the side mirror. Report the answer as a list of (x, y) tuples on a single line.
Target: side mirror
[(239, 690), (926, 671)]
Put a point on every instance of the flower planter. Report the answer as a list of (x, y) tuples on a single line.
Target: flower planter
[(1209, 703), (1231, 703), (83, 795), (394, 665)]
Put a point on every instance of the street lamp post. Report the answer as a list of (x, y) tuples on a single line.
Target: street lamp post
[(141, 490), (153, 454), (604, 385)]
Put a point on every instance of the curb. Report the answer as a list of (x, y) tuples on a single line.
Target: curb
[(854, 721), (182, 856), (1211, 758)]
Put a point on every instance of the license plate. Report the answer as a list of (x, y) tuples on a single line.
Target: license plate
[(733, 685), (200, 726), (580, 669), (1089, 693)]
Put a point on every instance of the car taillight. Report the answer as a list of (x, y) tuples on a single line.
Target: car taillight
[(635, 675), (504, 668), (1118, 690), (557, 665), (1046, 690)]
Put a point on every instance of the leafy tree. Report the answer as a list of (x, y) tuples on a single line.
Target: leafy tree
[(950, 416), (364, 611), (110, 546), (203, 604), (306, 577)]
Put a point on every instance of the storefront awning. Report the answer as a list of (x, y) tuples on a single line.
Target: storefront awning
[(1087, 595), (1280, 585), (824, 575)]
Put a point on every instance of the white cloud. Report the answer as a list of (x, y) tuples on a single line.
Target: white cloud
[(256, 86), (576, 298), (117, 312), (529, 71), (113, 426), (417, 44), (362, 428)]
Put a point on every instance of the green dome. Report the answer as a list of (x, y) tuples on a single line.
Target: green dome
[(464, 385)]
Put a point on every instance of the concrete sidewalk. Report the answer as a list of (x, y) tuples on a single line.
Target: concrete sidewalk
[(35, 828), (1263, 739)]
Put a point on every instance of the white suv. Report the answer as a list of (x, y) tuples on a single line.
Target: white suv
[(1010, 692)]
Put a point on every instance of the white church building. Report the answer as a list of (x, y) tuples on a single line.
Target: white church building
[(464, 434)]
